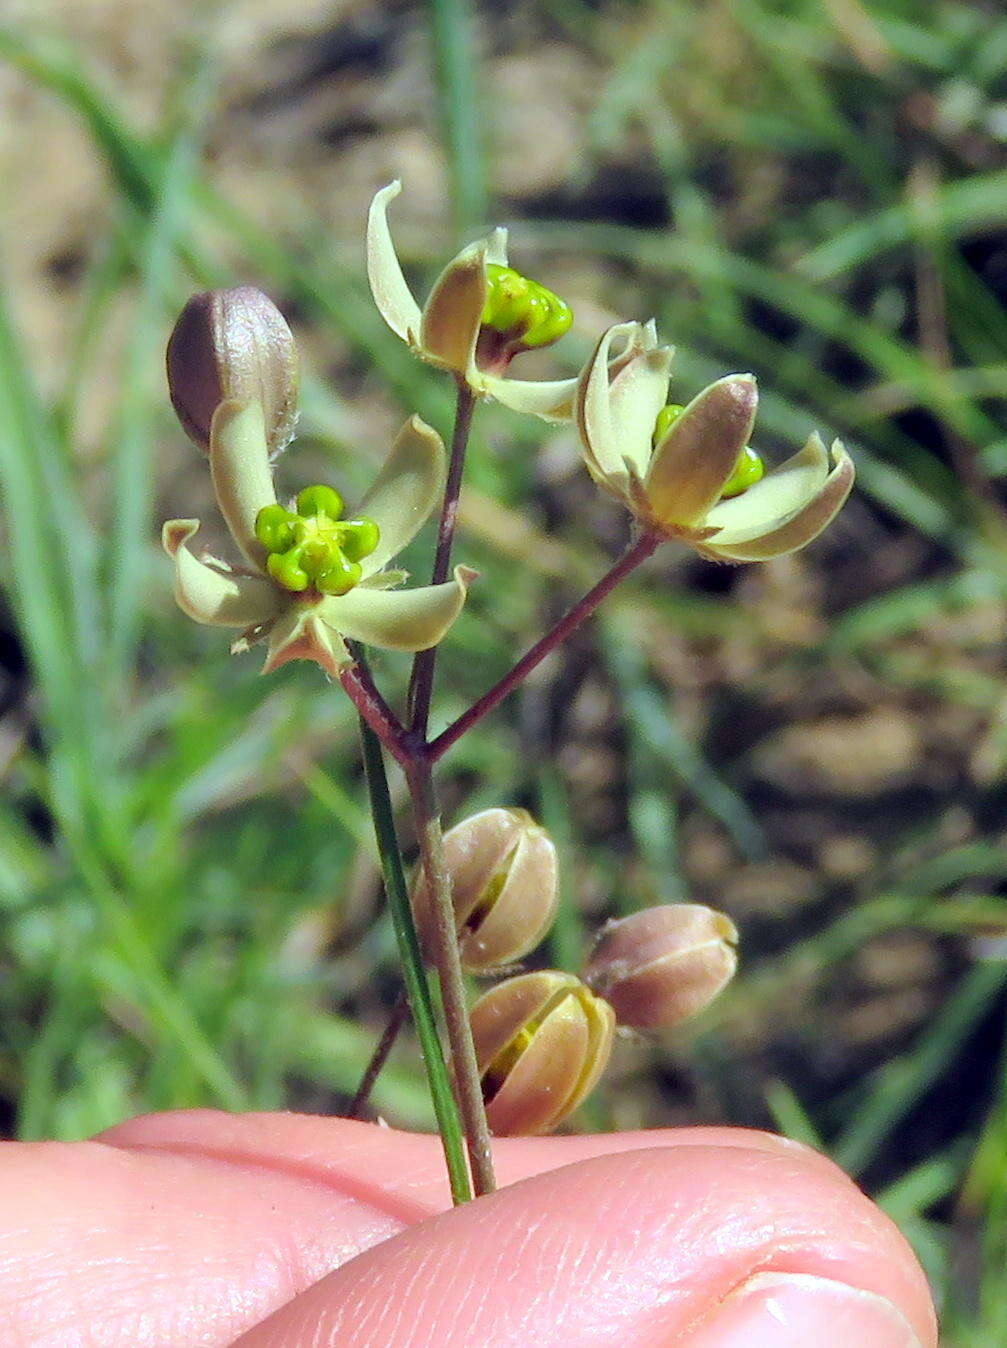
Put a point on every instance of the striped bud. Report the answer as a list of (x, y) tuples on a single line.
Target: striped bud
[(661, 966), (233, 346), (504, 887), (542, 1040)]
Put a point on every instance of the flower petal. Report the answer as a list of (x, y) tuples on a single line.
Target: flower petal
[(638, 389), (242, 476), (697, 455), (550, 399), (803, 526), (592, 404), (453, 313), (208, 593), (388, 286), (405, 491), (399, 620), (778, 495), (303, 634)]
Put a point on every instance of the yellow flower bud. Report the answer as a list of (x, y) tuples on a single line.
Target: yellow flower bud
[(504, 886), (233, 346), (661, 966), (542, 1040)]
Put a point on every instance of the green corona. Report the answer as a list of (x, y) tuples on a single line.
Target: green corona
[(311, 547), (748, 468), (515, 305)]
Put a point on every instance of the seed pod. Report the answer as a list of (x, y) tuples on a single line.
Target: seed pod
[(504, 887), (542, 1040), (663, 965), (233, 345)]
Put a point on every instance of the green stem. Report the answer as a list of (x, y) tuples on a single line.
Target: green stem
[(417, 989)]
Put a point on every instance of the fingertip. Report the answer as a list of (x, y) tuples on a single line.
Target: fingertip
[(631, 1248)]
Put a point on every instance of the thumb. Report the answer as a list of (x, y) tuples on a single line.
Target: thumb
[(704, 1246)]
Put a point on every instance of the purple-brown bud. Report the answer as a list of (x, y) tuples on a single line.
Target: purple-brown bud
[(504, 887), (542, 1040), (661, 966), (233, 346)]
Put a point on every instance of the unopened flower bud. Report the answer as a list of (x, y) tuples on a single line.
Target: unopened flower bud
[(542, 1040), (504, 886), (662, 965), (233, 346)]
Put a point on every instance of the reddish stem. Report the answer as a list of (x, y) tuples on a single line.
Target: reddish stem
[(638, 552), (421, 683), (359, 685)]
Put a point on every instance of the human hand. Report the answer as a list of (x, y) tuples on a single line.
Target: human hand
[(282, 1231)]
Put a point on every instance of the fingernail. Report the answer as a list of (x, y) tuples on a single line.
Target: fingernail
[(774, 1310)]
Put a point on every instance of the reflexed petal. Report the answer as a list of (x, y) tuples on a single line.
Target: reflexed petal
[(399, 620), (550, 399), (388, 286), (598, 432), (242, 477), (405, 491), (303, 634), (778, 495), (803, 526), (453, 314), (637, 392), (698, 453), (211, 595)]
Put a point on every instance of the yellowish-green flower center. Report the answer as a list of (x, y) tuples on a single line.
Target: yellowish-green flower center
[(311, 547), (523, 309), (747, 470)]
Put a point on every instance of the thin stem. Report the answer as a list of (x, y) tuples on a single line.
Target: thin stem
[(379, 1057), (373, 709), (422, 681), (443, 939), (412, 966), (638, 552)]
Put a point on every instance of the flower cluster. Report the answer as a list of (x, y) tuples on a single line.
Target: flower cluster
[(311, 579)]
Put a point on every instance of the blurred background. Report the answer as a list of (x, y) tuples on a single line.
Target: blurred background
[(190, 911)]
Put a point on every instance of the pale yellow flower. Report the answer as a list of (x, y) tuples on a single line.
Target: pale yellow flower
[(676, 486), (306, 623), (449, 331)]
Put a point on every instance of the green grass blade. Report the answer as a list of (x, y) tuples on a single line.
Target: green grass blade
[(131, 524), (413, 973), (456, 65)]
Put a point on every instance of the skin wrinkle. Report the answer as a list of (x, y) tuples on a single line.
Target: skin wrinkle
[(278, 1272), (348, 1186)]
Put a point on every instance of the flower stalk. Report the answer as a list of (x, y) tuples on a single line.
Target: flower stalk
[(421, 683), (444, 946), (636, 553)]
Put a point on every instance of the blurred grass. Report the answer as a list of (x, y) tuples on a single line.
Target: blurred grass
[(186, 883)]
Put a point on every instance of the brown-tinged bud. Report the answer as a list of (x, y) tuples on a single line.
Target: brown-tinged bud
[(542, 1040), (233, 346), (504, 886), (662, 965)]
